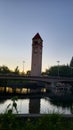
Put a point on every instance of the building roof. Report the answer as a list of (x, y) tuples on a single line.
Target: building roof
[(37, 36)]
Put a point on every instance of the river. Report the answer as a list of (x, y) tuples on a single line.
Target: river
[(38, 105)]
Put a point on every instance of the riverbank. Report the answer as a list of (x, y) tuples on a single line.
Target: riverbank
[(32, 116), (44, 122)]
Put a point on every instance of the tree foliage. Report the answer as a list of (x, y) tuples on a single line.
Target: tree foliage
[(28, 73), (71, 62), (5, 70), (64, 70), (16, 71)]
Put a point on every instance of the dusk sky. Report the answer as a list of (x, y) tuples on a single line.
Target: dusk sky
[(20, 20)]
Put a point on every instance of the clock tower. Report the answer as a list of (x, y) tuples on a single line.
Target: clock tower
[(36, 65)]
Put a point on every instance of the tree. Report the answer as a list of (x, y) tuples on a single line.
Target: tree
[(52, 71), (28, 73), (4, 70), (16, 71), (64, 70), (71, 62)]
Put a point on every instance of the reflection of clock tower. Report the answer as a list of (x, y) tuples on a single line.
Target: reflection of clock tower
[(36, 65)]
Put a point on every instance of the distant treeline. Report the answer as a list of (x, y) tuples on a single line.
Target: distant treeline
[(58, 70), (5, 70), (62, 70)]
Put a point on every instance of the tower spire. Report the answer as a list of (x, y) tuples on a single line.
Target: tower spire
[(37, 36)]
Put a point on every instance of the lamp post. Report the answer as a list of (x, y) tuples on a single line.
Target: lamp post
[(23, 66), (58, 67)]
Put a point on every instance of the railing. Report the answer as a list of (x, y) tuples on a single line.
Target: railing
[(37, 78)]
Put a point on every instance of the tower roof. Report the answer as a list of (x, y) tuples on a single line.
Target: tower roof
[(37, 36)]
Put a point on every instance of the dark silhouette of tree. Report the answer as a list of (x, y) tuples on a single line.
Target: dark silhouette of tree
[(4, 70), (28, 73), (43, 74), (64, 70), (52, 71), (71, 62), (16, 71)]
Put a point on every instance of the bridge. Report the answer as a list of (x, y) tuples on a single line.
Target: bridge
[(45, 79), (34, 83)]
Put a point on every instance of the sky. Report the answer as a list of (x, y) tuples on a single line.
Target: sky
[(20, 20)]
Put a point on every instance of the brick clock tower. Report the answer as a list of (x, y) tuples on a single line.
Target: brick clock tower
[(36, 65)]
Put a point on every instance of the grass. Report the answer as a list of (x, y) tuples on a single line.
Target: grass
[(9, 121)]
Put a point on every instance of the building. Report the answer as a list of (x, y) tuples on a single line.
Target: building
[(36, 65)]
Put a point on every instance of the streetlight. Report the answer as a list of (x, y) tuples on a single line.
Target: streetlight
[(58, 67), (23, 66)]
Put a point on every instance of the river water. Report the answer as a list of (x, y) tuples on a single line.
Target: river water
[(37, 105)]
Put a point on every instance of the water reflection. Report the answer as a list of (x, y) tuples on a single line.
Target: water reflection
[(34, 105), (65, 105), (49, 107), (38, 105)]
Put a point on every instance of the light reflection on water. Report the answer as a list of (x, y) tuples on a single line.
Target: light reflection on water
[(43, 105), (51, 108)]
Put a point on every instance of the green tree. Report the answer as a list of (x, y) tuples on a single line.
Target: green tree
[(52, 71), (64, 70), (71, 62)]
